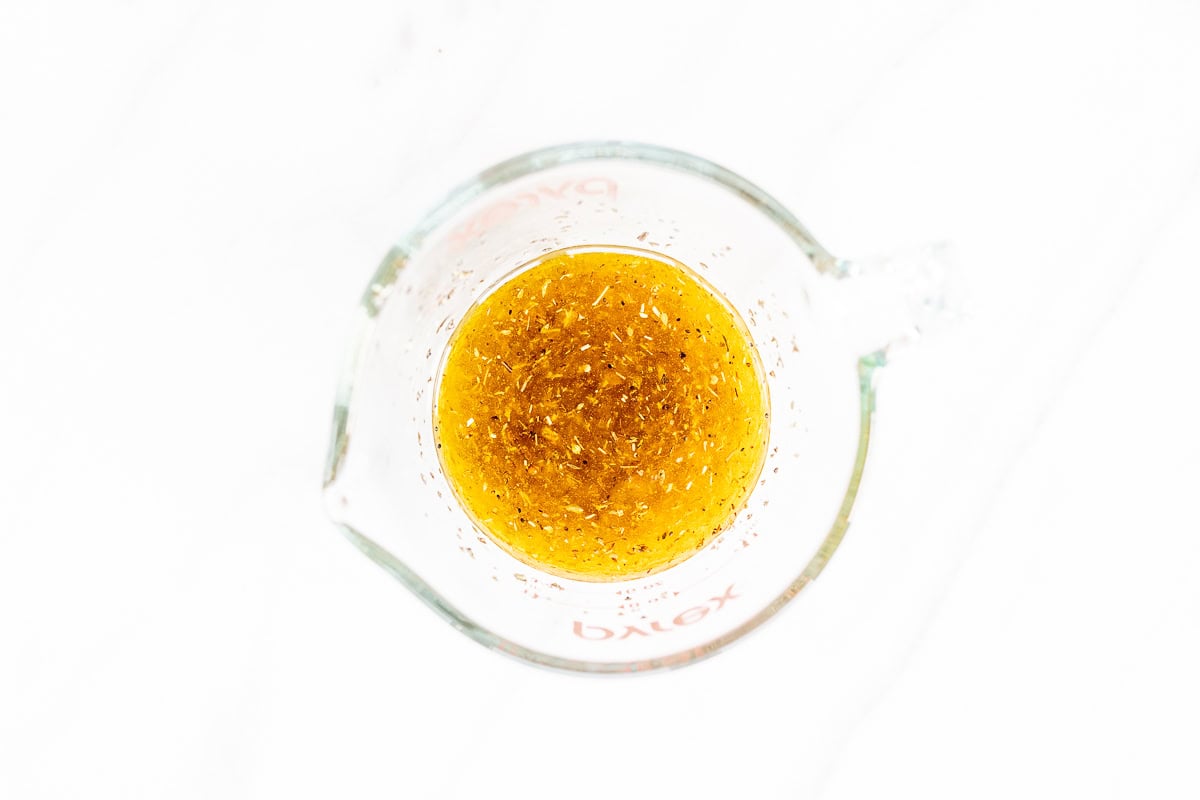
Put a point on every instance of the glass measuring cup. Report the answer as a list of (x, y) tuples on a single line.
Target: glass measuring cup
[(819, 345)]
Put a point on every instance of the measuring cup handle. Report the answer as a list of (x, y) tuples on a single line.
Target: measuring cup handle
[(878, 302)]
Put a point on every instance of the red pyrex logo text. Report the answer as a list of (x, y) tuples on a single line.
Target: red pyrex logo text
[(598, 633), (503, 209)]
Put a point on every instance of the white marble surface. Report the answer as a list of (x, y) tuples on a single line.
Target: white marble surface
[(193, 195)]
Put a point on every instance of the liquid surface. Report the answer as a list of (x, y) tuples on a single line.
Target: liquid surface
[(602, 414)]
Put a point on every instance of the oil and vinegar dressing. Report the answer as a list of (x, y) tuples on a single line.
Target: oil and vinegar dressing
[(602, 413)]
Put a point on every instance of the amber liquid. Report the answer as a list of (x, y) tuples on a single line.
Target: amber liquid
[(602, 414)]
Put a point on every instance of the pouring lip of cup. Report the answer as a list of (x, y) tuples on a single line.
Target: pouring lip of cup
[(337, 504)]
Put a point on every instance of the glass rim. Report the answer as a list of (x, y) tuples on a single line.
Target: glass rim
[(385, 276)]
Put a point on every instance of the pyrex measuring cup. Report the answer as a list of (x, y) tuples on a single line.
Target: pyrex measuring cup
[(819, 344)]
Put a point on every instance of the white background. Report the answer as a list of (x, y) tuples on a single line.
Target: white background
[(192, 196)]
